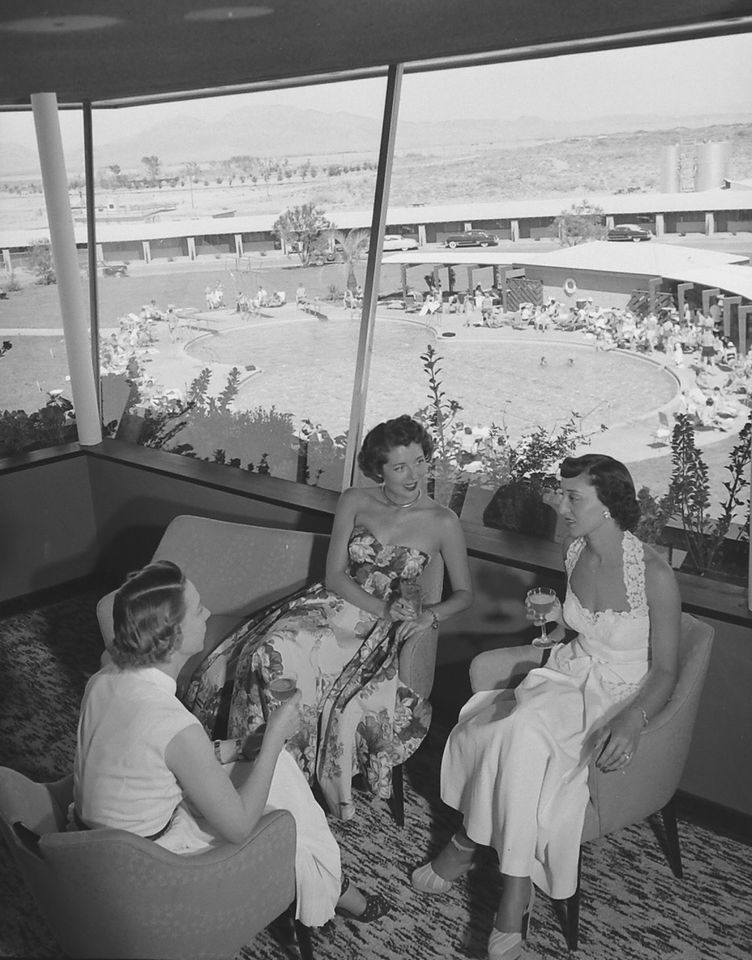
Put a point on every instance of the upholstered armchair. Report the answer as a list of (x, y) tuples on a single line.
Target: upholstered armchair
[(109, 893), (239, 569), (651, 779)]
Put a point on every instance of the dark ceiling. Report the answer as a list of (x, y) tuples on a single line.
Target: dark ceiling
[(156, 47)]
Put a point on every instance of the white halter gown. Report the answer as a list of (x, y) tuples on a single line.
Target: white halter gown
[(516, 763)]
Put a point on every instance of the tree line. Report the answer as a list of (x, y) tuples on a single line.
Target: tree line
[(241, 168)]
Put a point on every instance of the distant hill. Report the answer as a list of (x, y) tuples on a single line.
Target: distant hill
[(17, 159), (270, 130)]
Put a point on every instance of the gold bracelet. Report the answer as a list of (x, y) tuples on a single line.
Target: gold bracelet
[(435, 624)]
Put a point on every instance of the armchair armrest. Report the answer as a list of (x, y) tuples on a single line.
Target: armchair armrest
[(503, 668)]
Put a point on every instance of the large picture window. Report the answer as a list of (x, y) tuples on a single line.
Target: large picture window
[(230, 274), (564, 268)]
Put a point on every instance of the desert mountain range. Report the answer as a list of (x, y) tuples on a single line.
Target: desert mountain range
[(288, 131)]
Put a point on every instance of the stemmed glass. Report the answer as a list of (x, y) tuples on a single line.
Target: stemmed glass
[(542, 601)]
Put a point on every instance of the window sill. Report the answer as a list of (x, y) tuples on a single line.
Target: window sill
[(700, 595)]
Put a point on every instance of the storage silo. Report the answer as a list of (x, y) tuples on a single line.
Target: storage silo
[(670, 168), (712, 164)]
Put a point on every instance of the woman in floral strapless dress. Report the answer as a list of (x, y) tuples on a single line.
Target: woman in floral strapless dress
[(341, 639), (516, 764)]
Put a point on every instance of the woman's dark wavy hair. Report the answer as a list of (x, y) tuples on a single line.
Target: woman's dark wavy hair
[(148, 611), (613, 483), (379, 442)]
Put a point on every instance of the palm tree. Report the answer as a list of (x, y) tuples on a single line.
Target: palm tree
[(152, 164), (352, 244)]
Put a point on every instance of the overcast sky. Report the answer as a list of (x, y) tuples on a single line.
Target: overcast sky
[(678, 79)]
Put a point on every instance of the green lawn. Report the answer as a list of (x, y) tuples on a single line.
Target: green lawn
[(38, 364)]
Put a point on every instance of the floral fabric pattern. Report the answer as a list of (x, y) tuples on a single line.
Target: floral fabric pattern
[(357, 715)]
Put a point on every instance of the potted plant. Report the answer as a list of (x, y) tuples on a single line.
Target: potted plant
[(448, 482), (525, 475), (703, 532), (702, 539), (522, 472)]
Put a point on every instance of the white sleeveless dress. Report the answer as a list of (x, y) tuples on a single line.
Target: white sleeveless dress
[(516, 764)]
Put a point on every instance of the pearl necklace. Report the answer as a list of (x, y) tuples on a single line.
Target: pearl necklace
[(401, 505)]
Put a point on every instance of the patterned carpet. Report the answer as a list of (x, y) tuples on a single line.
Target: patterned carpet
[(632, 907)]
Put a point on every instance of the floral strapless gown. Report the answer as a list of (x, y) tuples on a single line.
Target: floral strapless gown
[(516, 764), (358, 716)]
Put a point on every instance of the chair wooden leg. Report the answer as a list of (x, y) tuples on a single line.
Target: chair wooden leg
[(397, 799), (568, 912), (668, 813), (573, 910), (303, 936)]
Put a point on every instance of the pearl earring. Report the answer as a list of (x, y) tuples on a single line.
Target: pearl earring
[(606, 515)]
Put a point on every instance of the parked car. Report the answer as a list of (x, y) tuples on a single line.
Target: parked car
[(471, 238), (395, 241), (629, 231), (321, 257), (113, 268)]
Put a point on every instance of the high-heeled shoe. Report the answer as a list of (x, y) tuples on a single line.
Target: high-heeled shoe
[(508, 946), (427, 880), (376, 906)]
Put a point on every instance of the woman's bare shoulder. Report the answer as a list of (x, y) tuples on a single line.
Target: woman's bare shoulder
[(659, 577), (356, 497), (655, 564), (439, 514)]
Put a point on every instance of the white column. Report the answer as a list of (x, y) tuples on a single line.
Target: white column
[(514, 230), (422, 234), (238, 244), (191, 248), (610, 221), (709, 223), (660, 225), (146, 248), (7, 262), (100, 252), (373, 264), (468, 225), (69, 288)]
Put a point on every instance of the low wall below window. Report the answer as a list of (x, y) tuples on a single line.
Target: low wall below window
[(47, 527)]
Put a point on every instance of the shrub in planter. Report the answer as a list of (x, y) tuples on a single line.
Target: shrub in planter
[(706, 535), (522, 471), (53, 424), (519, 506)]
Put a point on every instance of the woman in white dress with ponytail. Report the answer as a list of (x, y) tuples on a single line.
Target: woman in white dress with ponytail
[(516, 764)]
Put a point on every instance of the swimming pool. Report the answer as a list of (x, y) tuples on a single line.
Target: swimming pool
[(308, 370)]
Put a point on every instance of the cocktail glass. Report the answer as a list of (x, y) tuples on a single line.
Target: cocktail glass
[(542, 601)]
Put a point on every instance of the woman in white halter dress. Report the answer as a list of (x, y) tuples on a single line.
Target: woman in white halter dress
[(516, 764)]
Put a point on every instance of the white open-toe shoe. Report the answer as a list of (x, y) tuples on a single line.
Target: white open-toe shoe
[(504, 946), (508, 946), (427, 880)]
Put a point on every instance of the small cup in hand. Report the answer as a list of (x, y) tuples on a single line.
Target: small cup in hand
[(282, 688), (410, 592)]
